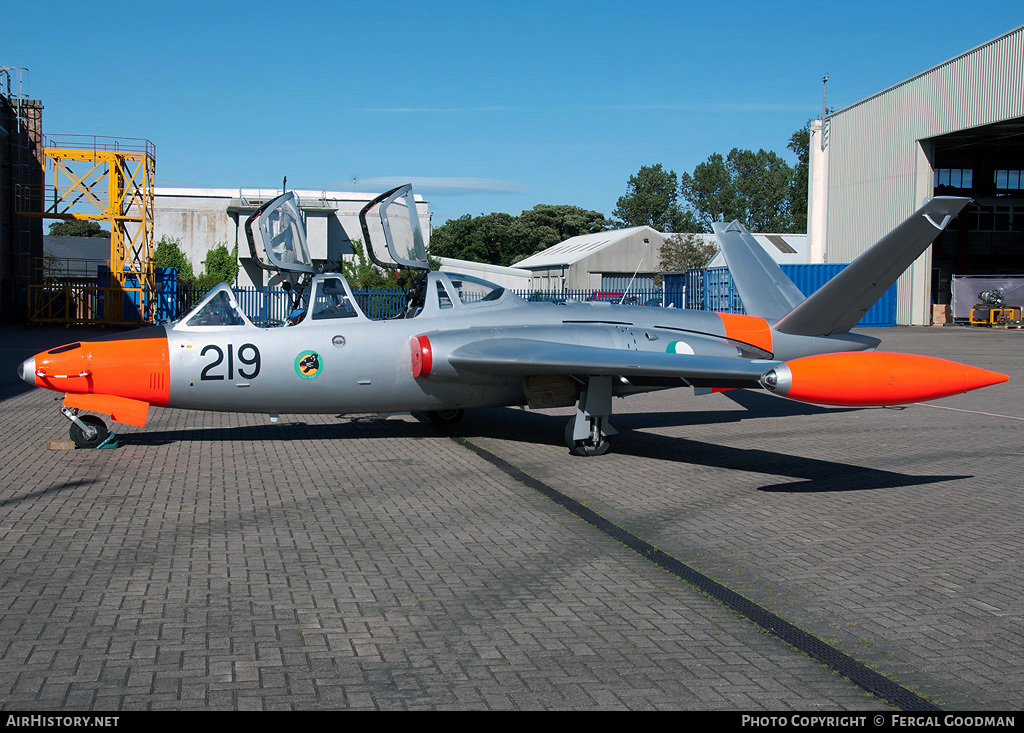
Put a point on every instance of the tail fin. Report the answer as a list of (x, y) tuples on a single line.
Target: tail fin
[(764, 288), (841, 302)]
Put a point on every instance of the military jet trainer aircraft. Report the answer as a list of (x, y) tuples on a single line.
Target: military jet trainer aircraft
[(464, 343)]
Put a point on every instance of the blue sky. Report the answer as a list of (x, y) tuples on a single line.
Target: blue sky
[(483, 106)]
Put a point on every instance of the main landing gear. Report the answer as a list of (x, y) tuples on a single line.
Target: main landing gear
[(88, 431), (445, 417), (587, 433)]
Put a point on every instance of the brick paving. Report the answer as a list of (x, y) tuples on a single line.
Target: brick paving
[(217, 561), (894, 534)]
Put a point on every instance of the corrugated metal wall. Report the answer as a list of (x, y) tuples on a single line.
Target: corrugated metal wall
[(878, 173), (621, 282)]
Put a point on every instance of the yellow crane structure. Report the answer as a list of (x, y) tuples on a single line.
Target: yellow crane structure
[(101, 179)]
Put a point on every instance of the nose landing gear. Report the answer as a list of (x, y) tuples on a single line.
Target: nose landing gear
[(445, 417), (88, 431)]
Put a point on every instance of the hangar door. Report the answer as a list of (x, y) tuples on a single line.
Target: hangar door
[(987, 238)]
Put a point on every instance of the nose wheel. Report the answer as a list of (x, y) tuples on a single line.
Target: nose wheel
[(94, 432), (87, 431)]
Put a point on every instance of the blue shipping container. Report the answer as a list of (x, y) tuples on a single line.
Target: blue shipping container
[(712, 290), (676, 291)]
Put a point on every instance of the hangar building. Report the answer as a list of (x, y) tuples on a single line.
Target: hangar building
[(608, 260), (955, 129), (600, 261)]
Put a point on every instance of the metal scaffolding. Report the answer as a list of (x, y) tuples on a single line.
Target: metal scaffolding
[(99, 179), (20, 167)]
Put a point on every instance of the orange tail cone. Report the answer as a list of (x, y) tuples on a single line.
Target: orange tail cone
[(976, 378), (874, 379)]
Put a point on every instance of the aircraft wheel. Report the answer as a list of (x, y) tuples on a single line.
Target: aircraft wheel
[(446, 417), (85, 440), (585, 447)]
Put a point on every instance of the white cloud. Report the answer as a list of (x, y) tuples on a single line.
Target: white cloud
[(434, 109), (443, 186)]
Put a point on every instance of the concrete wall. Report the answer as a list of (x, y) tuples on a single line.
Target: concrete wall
[(548, 278), (201, 222)]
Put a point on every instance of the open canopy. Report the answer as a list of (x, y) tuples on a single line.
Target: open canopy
[(391, 228), (283, 233)]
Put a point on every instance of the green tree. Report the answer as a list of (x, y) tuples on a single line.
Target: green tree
[(168, 254), (545, 225), (502, 239), (755, 188), (763, 182), (652, 199), (77, 228), (800, 143), (220, 265), (682, 252), (362, 274), (51, 265), (484, 238), (711, 192)]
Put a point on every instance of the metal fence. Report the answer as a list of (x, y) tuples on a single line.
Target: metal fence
[(635, 296), (267, 306), (711, 289), (379, 305)]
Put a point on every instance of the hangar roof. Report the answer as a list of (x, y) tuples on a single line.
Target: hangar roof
[(786, 249), (926, 72), (575, 249)]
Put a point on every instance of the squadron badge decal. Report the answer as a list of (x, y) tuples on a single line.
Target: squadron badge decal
[(308, 365)]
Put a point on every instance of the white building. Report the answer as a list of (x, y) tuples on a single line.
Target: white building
[(785, 249)]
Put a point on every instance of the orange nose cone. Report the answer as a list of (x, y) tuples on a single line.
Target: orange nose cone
[(880, 378), (132, 365), (64, 369)]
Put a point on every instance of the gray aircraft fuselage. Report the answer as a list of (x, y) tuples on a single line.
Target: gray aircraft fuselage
[(354, 364)]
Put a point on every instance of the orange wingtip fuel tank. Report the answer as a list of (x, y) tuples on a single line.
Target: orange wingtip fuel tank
[(874, 378), (133, 365)]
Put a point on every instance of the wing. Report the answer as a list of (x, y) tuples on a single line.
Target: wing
[(517, 356)]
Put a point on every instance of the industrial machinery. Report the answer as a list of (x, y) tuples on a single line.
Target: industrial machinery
[(993, 311)]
